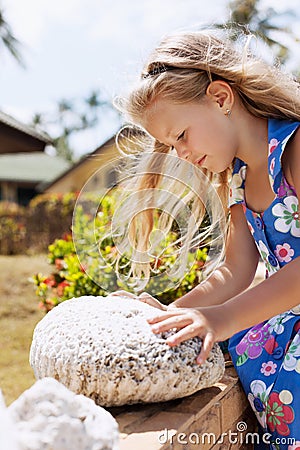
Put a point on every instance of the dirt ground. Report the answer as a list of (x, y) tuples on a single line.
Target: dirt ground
[(19, 314)]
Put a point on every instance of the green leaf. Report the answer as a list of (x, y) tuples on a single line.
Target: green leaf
[(242, 359)]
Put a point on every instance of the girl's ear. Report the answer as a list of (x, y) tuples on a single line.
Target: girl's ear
[(219, 91)]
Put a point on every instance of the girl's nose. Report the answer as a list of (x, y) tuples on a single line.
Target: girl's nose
[(182, 152)]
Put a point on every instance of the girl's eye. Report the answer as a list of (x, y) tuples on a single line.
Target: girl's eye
[(180, 136), (178, 139)]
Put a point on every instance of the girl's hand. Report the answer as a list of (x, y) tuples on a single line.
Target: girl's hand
[(206, 323), (124, 294), (143, 297), (147, 298)]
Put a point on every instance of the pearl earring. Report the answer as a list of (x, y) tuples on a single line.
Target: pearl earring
[(228, 112)]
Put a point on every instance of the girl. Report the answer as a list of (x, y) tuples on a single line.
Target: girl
[(237, 119)]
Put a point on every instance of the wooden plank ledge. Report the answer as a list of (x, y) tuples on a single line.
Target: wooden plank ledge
[(177, 424)]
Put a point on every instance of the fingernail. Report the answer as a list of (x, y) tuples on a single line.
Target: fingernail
[(199, 360), (155, 329)]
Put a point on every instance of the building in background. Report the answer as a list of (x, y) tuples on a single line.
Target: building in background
[(26, 170), (73, 179), (99, 167), (24, 165)]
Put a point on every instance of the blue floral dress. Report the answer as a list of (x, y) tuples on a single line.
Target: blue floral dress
[(267, 356)]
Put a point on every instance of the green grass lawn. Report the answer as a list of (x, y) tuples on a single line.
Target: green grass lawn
[(19, 314)]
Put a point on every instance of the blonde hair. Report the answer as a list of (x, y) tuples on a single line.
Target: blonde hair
[(180, 69)]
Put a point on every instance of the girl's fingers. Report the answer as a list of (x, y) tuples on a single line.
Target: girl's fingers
[(184, 334), (170, 323), (147, 298), (188, 328), (166, 315), (123, 294), (207, 345)]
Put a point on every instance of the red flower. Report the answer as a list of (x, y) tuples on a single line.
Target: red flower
[(50, 281), (67, 236), (279, 415), (59, 263), (61, 287), (49, 304)]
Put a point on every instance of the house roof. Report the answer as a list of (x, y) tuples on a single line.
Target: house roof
[(100, 149), (32, 167), (31, 131)]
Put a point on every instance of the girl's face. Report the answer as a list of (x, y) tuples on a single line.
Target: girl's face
[(200, 131)]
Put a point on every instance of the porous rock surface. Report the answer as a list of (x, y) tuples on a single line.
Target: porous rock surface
[(50, 417), (104, 348)]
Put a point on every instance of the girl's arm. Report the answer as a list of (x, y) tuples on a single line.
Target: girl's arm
[(234, 275), (276, 295)]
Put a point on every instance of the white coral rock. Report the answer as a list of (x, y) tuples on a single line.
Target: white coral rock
[(8, 430), (50, 417), (104, 348)]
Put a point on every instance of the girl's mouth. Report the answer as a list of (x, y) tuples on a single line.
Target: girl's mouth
[(200, 161)]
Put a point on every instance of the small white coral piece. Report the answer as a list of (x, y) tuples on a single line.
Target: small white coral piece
[(8, 430), (50, 417), (103, 347)]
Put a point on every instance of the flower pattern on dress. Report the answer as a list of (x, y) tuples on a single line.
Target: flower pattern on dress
[(258, 397), (292, 357), (288, 214), (276, 323), (272, 145), (236, 191), (285, 189), (251, 346), (265, 255), (279, 415), (268, 368), (284, 252), (272, 166)]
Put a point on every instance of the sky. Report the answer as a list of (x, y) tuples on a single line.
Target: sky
[(72, 47)]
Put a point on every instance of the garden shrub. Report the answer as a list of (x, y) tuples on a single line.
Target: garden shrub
[(85, 265), (32, 229), (12, 228)]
